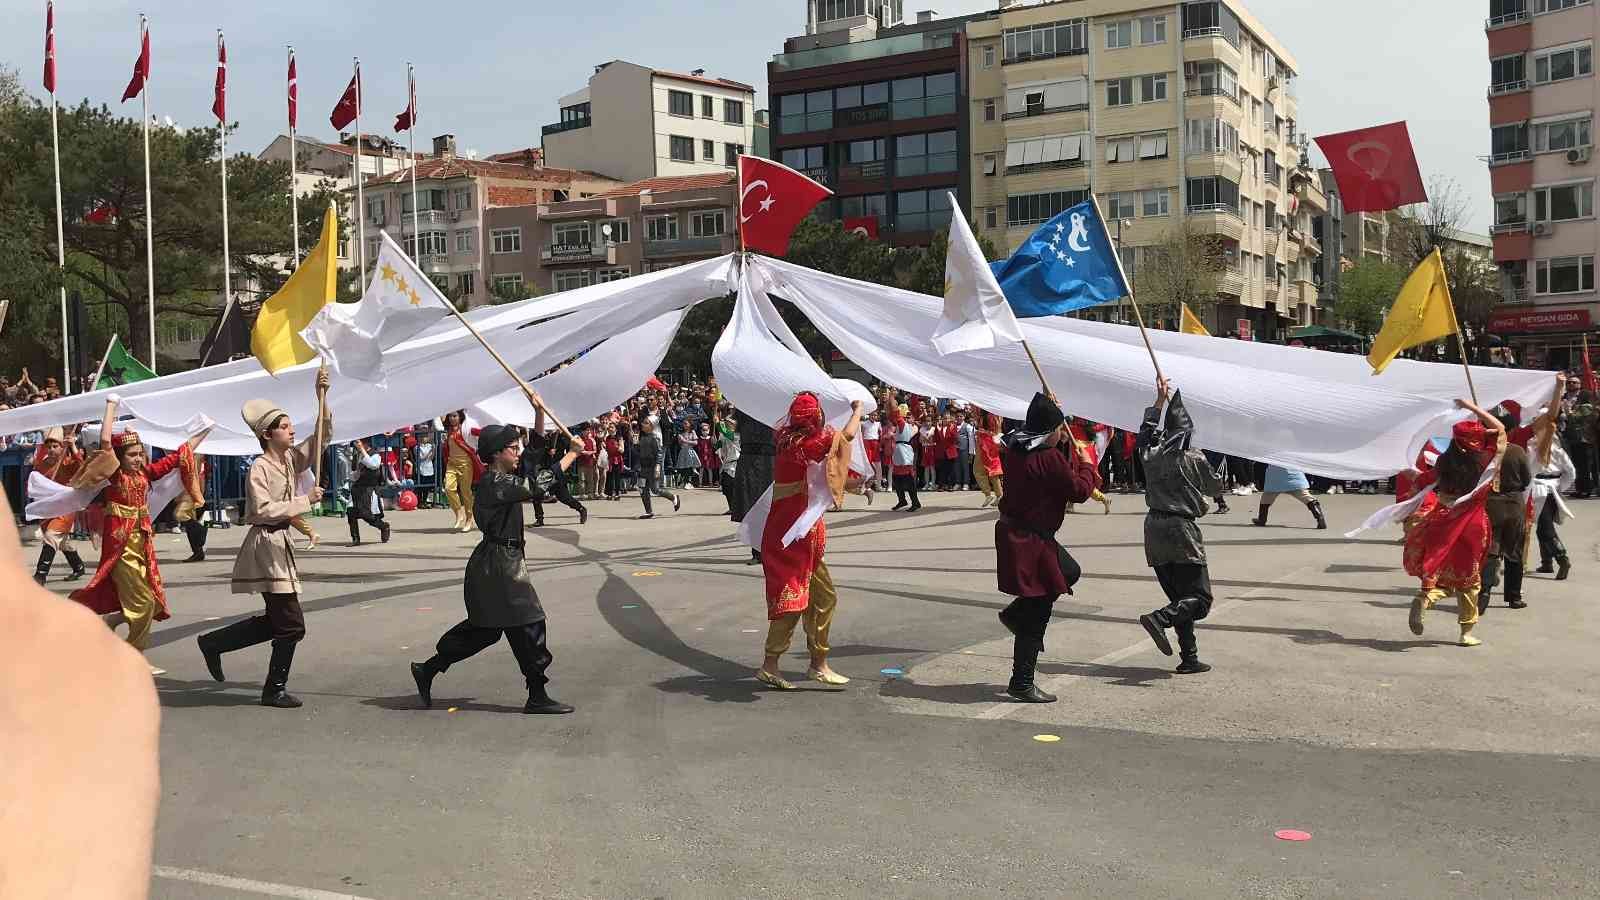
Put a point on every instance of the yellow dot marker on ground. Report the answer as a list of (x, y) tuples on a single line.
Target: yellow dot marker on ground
[(453, 709), (1047, 738), (646, 573)]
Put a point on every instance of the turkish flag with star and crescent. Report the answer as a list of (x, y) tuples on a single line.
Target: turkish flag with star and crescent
[(349, 105), (773, 198), (1375, 167), (294, 93), (219, 100), (50, 48)]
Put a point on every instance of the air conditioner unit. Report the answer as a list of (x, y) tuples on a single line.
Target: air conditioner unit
[(1579, 156), (1542, 229)]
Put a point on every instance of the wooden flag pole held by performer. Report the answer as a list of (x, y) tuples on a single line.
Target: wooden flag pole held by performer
[(1137, 316), (322, 414), (526, 388)]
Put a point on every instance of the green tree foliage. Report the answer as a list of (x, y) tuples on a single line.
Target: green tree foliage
[(1184, 268), (1366, 291)]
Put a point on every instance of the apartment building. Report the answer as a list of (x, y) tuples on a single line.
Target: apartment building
[(631, 122), (451, 241), (1175, 115), (1542, 99), (875, 108), (646, 226), (1327, 229)]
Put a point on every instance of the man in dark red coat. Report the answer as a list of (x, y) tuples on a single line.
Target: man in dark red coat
[(1042, 477)]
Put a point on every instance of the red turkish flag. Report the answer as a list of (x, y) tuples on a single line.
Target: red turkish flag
[(141, 68), (866, 226), (294, 93), (1375, 167), (349, 103), (50, 47), (405, 120), (773, 198), (219, 100), (102, 214)]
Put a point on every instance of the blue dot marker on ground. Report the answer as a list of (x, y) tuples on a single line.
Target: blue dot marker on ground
[(892, 671)]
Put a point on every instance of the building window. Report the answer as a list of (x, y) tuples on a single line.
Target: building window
[(707, 224), (1052, 152), (990, 164), (922, 96), (1564, 275), (1030, 209), (1212, 193), (605, 276), (1545, 6), (1508, 73), (661, 228), (1119, 92), (1562, 203), (571, 280), (921, 154), (1508, 142), (1211, 19), (619, 230), (1153, 88), (1153, 146), (1210, 78), (1563, 135), (467, 283), (680, 103), (708, 151), (682, 148), (375, 210), (1119, 35), (1157, 202), (873, 205), (1064, 38), (733, 112), (988, 57), (344, 248), (1120, 205), (922, 210), (372, 249), (461, 198), (731, 155), (1120, 149), (1563, 64), (1153, 29), (572, 234), (427, 201), (988, 110), (434, 243), (1204, 136), (812, 111), (506, 240), (991, 217), (1072, 93), (813, 161), (708, 106), (508, 284), (463, 242)]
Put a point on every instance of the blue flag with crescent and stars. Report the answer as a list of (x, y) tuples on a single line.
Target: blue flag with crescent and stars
[(1068, 264)]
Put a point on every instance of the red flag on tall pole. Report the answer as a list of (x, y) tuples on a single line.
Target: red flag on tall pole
[(294, 93), (219, 101), (344, 112), (1375, 167), (50, 47), (773, 198), (405, 120), (141, 69)]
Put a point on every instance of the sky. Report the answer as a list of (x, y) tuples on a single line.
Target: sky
[(490, 71)]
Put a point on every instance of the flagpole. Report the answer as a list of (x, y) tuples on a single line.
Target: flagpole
[(361, 206), (149, 212), (1137, 316), (100, 369), (61, 241), (411, 149), (227, 262), (526, 388), (1461, 342), (294, 198)]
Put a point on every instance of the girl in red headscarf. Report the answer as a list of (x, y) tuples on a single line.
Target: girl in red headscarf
[(1446, 541), (799, 587)]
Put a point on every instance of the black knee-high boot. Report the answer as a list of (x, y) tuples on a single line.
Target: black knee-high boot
[(1188, 650), (237, 636), (273, 692), (195, 531), (47, 558), (1316, 513), (1513, 591), (76, 562), (1491, 579)]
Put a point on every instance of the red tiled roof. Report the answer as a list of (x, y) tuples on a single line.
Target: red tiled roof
[(456, 167), (670, 183), (700, 79), (525, 156)]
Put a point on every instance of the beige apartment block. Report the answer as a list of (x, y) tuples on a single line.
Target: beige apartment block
[(1171, 114)]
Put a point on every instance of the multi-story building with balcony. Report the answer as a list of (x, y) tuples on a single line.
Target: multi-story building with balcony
[(632, 123), (629, 230), (1542, 98), (450, 241), (1175, 116), (876, 110)]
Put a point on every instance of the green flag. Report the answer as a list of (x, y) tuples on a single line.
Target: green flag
[(119, 367)]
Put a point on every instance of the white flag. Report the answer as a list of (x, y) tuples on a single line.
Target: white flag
[(976, 314), (399, 304)]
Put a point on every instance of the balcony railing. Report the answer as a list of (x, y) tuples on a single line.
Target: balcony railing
[(1035, 57), (1509, 228), (1212, 92), (1201, 208), (1202, 33), (1042, 110), (1510, 18), (862, 50), (1509, 157), (569, 125), (1517, 295), (709, 244), (1510, 87)]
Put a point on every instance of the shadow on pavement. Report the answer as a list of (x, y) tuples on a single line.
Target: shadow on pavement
[(441, 705)]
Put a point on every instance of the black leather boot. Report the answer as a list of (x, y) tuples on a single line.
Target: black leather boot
[(273, 692), (241, 634), (540, 703), (1316, 512), (76, 562), (1155, 624), (355, 533), (47, 558), (1024, 660), (422, 673), (1563, 568), (383, 532), (1261, 517), (1188, 652), (1491, 578), (1513, 576)]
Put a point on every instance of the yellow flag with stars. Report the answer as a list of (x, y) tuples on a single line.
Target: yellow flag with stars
[(1190, 323), (1422, 312), (276, 340)]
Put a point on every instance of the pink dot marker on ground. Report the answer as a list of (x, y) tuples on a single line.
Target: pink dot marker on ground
[(1290, 834)]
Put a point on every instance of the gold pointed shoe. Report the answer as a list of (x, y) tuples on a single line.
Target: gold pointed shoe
[(776, 682), (829, 677), (1467, 640)]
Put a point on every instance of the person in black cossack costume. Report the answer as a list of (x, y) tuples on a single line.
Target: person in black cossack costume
[(500, 596)]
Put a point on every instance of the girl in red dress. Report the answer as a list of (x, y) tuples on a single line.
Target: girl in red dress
[(799, 587), (1446, 541)]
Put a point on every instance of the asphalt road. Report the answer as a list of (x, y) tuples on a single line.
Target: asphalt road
[(1419, 768)]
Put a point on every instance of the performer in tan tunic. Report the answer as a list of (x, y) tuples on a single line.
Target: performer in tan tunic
[(265, 564)]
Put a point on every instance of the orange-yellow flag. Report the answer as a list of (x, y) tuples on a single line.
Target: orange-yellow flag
[(276, 340), (1422, 312)]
